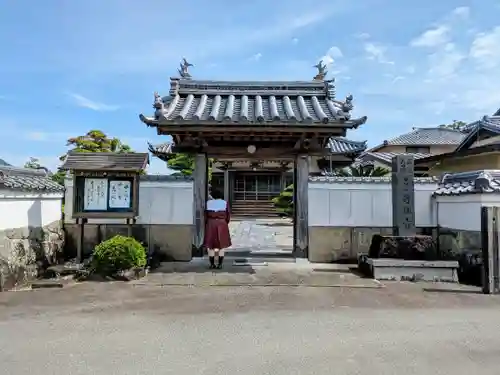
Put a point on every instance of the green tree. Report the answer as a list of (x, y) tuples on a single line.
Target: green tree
[(362, 172), (33, 163), (456, 125), (183, 164), (95, 141)]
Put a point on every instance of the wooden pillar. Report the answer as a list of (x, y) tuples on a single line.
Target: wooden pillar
[(200, 190), (300, 194), (226, 185), (283, 180)]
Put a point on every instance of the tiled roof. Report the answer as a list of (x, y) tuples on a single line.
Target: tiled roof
[(486, 125), (425, 137), (240, 102), (497, 113), (475, 182), (27, 179), (385, 157), (106, 161), (339, 145), (368, 180)]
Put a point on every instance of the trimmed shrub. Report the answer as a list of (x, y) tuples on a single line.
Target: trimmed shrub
[(284, 202), (119, 253)]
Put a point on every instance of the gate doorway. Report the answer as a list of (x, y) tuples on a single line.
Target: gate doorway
[(254, 121), (256, 186)]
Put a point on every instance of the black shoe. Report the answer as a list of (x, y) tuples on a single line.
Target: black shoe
[(212, 262), (221, 259)]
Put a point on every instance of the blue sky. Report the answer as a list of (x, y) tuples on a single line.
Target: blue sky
[(68, 66)]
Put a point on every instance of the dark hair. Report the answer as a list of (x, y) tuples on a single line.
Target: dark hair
[(216, 194)]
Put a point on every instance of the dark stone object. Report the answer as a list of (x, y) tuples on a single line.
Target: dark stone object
[(418, 247), (470, 266)]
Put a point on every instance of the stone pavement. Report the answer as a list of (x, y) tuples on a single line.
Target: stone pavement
[(261, 234), (196, 273), (121, 328)]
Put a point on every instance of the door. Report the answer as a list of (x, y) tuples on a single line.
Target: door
[(257, 186)]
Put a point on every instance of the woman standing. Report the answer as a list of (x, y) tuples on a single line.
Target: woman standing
[(217, 237)]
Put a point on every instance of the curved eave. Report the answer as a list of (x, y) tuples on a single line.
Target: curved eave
[(149, 121), (351, 123)]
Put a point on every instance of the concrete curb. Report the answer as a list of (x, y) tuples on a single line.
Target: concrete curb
[(349, 286)]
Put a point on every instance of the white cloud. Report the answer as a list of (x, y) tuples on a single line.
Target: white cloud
[(446, 61), (432, 37), (485, 48), (84, 102), (331, 55), (256, 57), (295, 40), (377, 52), (362, 36), (463, 12)]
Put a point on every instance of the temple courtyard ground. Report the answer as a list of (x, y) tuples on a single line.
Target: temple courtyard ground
[(149, 327)]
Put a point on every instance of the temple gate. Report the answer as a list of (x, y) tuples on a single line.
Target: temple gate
[(262, 135)]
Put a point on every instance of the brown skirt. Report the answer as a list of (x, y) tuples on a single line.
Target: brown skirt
[(217, 230)]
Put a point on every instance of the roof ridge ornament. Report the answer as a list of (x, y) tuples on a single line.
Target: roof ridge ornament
[(158, 105), (322, 72), (184, 66)]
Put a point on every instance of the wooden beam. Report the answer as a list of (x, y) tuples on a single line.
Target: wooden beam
[(301, 205), (200, 189), (226, 185)]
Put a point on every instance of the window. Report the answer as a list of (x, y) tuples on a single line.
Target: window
[(418, 150)]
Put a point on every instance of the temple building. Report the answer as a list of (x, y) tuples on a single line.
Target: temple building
[(270, 121), (478, 150), (420, 143)]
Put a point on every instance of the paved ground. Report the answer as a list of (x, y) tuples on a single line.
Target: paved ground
[(196, 273), (261, 234), (118, 328)]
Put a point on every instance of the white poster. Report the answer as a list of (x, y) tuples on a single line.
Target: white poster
[(96, 194), (119, 194)]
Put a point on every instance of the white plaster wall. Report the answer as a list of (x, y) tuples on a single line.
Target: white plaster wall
[(23, 209), (160, 202), (463, 212), (363, 204)]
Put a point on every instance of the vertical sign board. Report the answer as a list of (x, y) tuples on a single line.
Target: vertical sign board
[(403, 196), (490, 216)]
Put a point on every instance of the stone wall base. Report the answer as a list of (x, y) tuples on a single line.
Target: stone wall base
[(331, 244), (413, 270), (24, 252), (173, 242)]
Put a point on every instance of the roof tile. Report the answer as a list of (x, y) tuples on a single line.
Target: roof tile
[(426, 137), (474, 182), (385, 157), (27, 179), (251, 103), (107, 161)]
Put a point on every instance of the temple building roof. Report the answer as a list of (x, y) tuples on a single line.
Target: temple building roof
[(425, 137), (339, 145), (27, 179), (487, 125), (201, 102), (384, 157)]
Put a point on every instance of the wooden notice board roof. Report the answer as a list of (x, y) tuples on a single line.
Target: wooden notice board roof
[(106, 161)]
